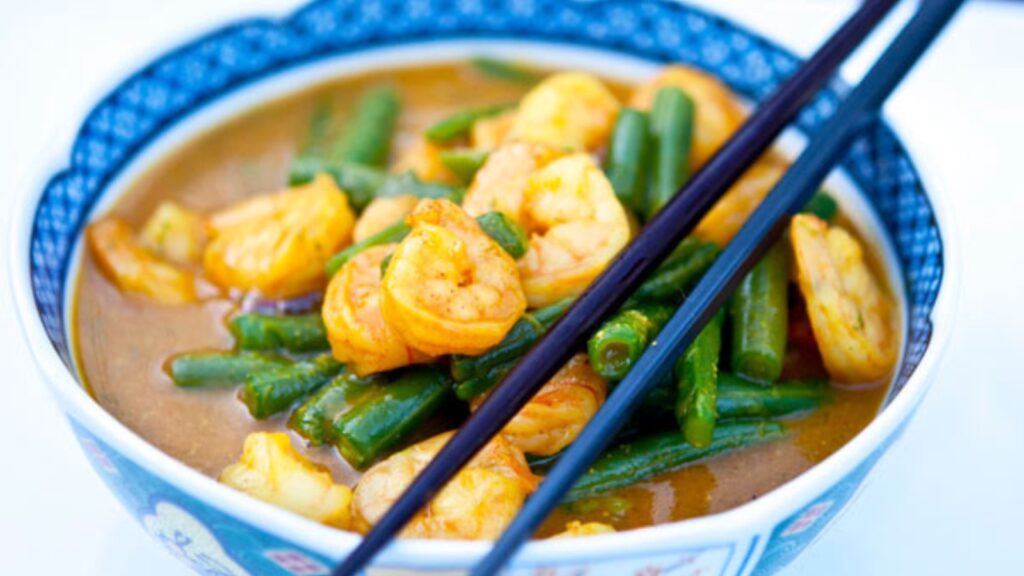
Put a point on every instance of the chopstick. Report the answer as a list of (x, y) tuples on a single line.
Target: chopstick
[(765, 225), (676, 219)]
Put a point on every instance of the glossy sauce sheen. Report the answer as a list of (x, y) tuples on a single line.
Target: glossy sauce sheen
[(123, 340)]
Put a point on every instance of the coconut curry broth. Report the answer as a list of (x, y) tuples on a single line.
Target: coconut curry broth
[(124, 340)]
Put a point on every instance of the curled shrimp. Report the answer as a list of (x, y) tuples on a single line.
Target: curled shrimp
[(477, 504), (279, 243), (500, 184), (356, 329), (850, 314), (381, 213), (554, 417), (489, 133), (449, 287), (134, 269), (718, 114), (423, 158), (568, 110), (576, 226), (727, 216)]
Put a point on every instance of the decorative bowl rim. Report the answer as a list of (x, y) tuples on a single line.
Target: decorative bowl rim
[(717, 528)]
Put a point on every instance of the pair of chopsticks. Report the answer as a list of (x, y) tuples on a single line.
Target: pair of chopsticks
[(643, 254)]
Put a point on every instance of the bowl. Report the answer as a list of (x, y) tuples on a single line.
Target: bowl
[(216, 530)]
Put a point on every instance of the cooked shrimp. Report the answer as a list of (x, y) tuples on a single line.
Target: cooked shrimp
[(850, 314), (477, 504), (356, 328), (501, 182), (450, 288), (489, 133), (271, 470), (576, 226), (569, 110), (576, 529), (553, 418), (134, 269), (381, 213), (279, 243), (423, 159), (718, 114), (175, 233), (727, 216)]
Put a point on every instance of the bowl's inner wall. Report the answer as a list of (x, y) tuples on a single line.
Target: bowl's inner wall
[(150, 101)]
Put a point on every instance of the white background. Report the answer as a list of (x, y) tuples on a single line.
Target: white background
[(946, 500)]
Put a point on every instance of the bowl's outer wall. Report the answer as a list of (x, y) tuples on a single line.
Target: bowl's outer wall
[(141, 109)]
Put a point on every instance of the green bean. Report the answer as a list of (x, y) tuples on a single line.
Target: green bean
[(697, 384), (644, 458), (298, 333), (505, 231), (394, 233), (363, 183), (459, 124), (367, 138), (760, 316), (672, 134), (319, 129), (518, 340), (197, 369), (472, 387), (386, 416), (739, 398), (408, 184), (628, 157), (271, 391), (313, 419), (620, 341), (464, 163), (384, 263), (503, 70), (822, 205), (677, 274)]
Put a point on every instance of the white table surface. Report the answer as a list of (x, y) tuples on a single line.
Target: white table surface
[(946, 500)]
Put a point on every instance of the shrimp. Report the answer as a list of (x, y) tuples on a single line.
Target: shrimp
[(576, 226), (568, 110), (500, 183), (489, 133), (477, 504), (850, 314), (553, 418), (727, 216), (356, 329), (423, 159), (271, 470), (279, 243), (133, 268), (449, 287), (175, 233), (718, 114), (575, 529), (381, 213)]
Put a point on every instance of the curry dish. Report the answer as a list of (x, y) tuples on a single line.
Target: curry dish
[(306, 300)]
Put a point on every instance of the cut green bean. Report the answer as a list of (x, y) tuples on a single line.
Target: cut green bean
[(298, 333), (201, 369), (628, 158), (505, 231), (644, 458), (504, 70), (386, 416), (519, 338), (672, 135), (760, 316), (681, 271), (364, 183), (477, 385), (620, 341), (739, 398), (394, 233), (822, 205), (367, 138), (464, 163), (384, 263), (697, 380), (459, 124), (271, 391), (314, 419)]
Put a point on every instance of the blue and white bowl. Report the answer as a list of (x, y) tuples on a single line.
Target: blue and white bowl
[(216, 530)]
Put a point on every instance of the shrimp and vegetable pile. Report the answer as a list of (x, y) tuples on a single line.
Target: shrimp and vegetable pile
[(308, 309)]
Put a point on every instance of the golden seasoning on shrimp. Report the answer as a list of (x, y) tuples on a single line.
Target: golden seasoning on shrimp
[(500, 184), (450, 289)]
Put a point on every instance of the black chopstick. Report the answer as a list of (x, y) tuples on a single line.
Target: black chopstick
[(615, 284), (763, 227)]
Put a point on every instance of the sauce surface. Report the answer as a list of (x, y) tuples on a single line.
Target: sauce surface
[(123, 340)]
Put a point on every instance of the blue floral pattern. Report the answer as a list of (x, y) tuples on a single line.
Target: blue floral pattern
[(146, 104)]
